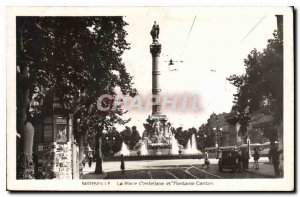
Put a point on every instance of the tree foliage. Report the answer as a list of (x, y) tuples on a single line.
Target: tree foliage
[(130, 136), (78, 59), (206, 138), (112, 142), (126, 135), (183, 136), (261, 87), (135, 137)]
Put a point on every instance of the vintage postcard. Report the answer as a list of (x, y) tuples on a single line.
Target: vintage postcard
[(150, 99)]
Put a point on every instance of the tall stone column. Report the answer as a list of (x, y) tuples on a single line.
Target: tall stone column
[(155, 49), (156, 133)]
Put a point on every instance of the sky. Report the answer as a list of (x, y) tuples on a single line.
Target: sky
[(218, 40)]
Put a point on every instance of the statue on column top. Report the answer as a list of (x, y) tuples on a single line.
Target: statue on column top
[(155, 32)]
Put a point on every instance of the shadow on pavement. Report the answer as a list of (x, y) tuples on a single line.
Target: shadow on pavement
[(92, 175)]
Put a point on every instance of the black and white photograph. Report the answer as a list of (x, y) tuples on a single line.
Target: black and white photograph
[(150, 99)]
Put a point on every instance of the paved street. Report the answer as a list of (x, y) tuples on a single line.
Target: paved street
[(180, 172), (171, 169)]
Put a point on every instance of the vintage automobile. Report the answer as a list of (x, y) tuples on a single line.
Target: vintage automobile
[(228, 160)]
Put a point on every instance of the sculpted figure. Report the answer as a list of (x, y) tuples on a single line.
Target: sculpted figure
[(155, 31), (156, 127)]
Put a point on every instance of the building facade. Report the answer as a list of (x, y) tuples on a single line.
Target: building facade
[(257, 120), (227, 132)]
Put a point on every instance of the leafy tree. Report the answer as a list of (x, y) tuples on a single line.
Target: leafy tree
[(112, 142), (204, 138), (135, 137), (130, 136), (179, 136), (182, 136), (126, 135), (192, 131), (261, 87), (79, 59)]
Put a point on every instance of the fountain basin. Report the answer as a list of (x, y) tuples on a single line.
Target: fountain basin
[(135, 157)]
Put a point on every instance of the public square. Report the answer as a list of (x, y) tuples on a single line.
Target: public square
[(125, 98), (175, 169)]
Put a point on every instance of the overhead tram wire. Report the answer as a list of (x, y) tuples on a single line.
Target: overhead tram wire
[(251, 30), (186, 41)]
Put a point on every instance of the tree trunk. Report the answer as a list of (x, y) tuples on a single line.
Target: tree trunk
[(81, 150), (98, 169), (25, 167), (25, 170), (26, 164), (272, 138)]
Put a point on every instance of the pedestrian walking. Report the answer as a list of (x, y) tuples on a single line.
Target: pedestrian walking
[(90, 159), (280, 167), (122, 164), (275, 160), (240, 161), (256, 158), (84, 159), (270, 156), (246, 159), (219, 154), (206, 160)]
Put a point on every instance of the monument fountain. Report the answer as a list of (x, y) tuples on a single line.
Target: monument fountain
[(158, 136), (158, 139), (143, 149), (174, 146), (124, 150), (191, 148)]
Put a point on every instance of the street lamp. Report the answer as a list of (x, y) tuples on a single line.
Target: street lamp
[(204, 142), (110, 143), (107, 140), (218, 133), (248, 137), (202, 138), (198, 142)]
